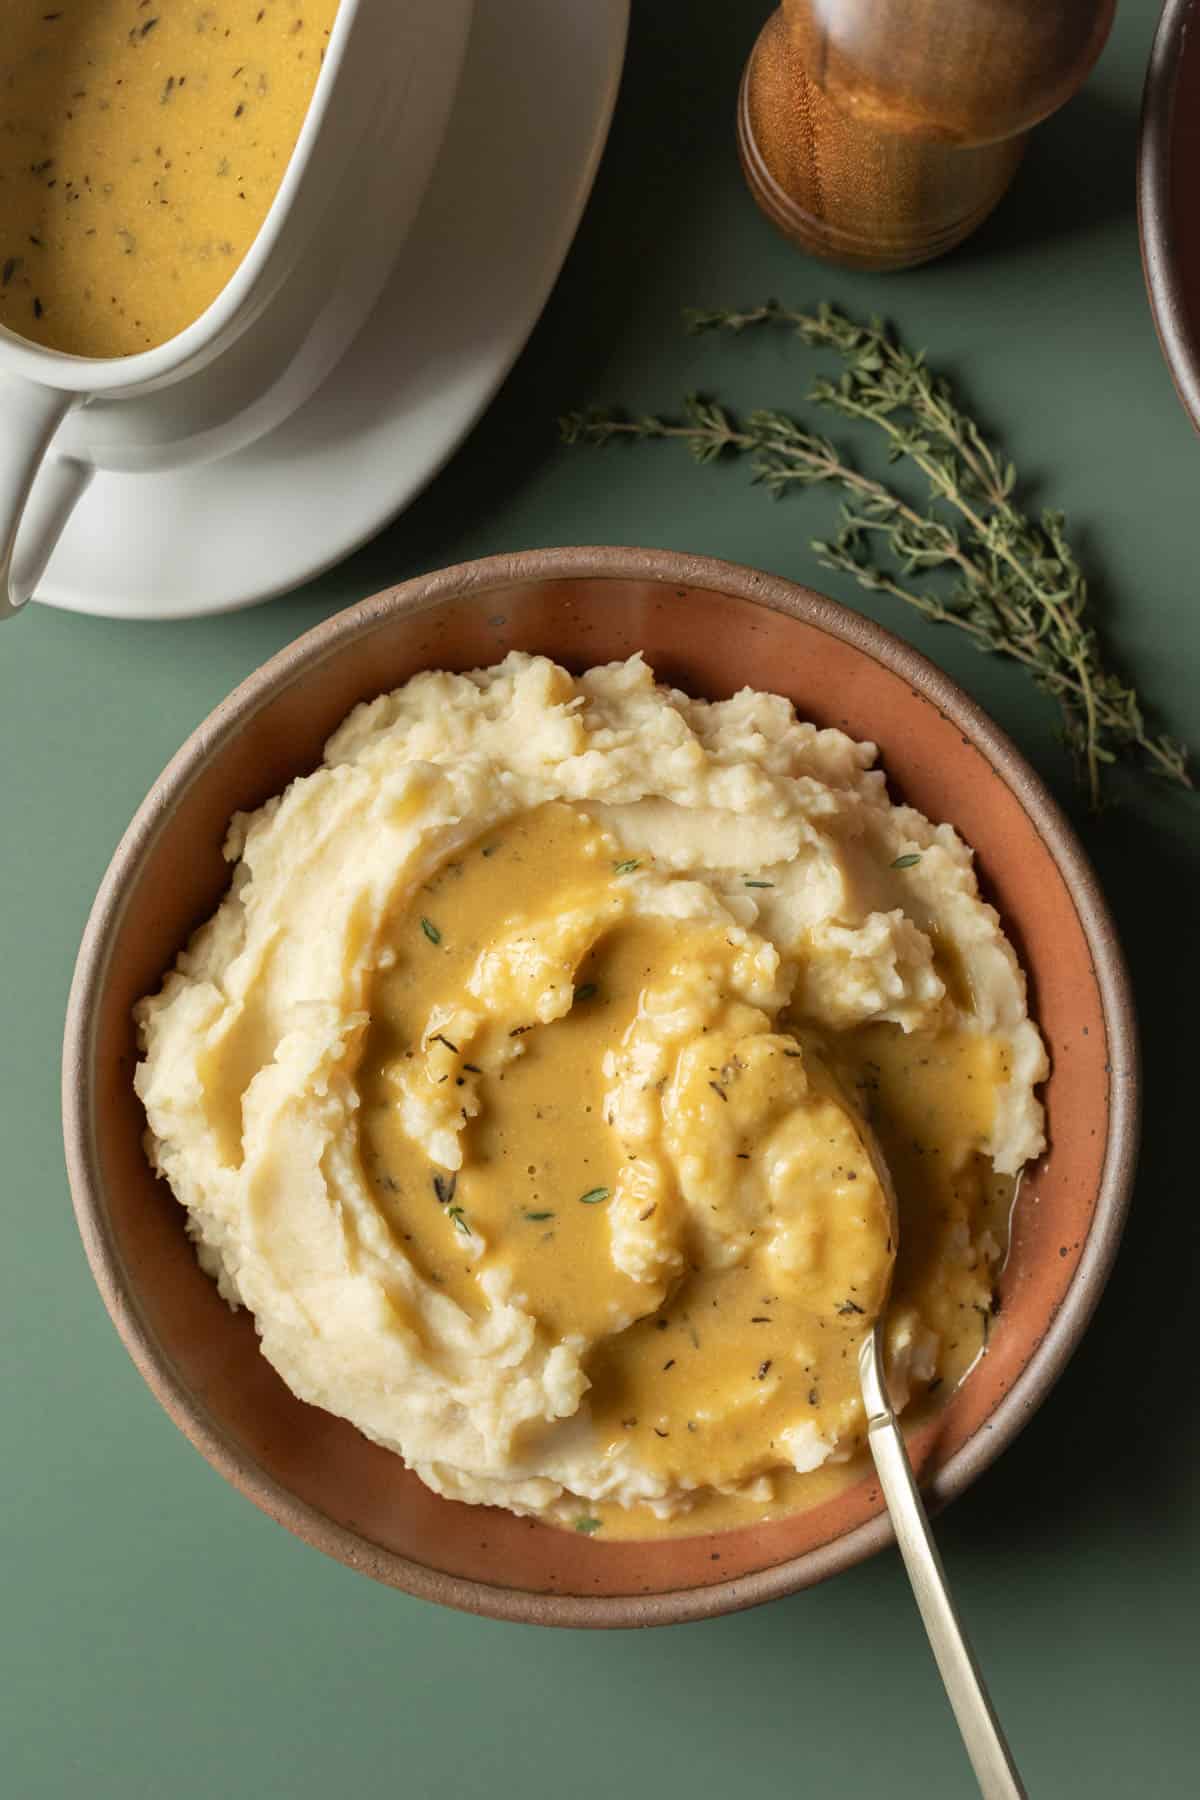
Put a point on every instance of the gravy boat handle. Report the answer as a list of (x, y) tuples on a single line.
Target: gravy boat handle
[(32, 414)]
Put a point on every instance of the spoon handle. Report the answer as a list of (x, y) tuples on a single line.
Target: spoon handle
[(984, 1740)]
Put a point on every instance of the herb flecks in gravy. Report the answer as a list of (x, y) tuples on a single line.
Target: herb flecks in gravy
[(141, 145), (720, 1241)]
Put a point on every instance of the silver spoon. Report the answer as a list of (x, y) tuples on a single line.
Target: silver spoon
[(984, 1740)]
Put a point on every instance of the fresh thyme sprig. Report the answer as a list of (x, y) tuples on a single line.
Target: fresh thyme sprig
[(1014, 583)]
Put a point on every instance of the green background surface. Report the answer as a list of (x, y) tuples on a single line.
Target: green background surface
[(157, 1635)]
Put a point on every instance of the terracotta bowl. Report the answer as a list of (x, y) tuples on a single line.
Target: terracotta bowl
[(1168, 160), (711, 628)]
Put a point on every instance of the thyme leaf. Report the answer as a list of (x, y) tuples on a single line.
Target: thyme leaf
[(594, 1196), (587, 1526), (430, 929), (907, 862)]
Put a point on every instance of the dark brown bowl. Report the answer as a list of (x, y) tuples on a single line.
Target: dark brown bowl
[(1168, 220), (711, 628)]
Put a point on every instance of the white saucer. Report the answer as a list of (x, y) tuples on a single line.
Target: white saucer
[(532, 114)]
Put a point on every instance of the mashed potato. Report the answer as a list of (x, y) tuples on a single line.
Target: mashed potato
[(533, 1087)]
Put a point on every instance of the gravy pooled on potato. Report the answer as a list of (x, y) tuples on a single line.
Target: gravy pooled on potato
[(528, 1084)]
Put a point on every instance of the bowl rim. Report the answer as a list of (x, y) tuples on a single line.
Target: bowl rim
[(306, 654), (1178, 337)]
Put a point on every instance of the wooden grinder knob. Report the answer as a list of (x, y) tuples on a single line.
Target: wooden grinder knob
[(880, 133)]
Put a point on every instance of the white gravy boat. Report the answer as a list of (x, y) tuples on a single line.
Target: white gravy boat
[(350, 191)]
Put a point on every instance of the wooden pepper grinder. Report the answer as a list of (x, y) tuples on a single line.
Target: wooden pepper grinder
[(880, 133)]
